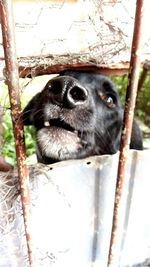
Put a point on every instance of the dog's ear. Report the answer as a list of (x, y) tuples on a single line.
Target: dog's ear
[(29, 110)]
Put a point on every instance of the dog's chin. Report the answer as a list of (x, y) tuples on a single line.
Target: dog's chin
[(58, 143)]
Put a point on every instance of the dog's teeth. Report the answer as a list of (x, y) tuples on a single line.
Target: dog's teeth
[(46, 123)]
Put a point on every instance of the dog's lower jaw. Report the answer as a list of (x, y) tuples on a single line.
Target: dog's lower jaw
[(55, 145), (42, 158)]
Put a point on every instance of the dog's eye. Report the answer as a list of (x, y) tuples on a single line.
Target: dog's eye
[(109, 99)]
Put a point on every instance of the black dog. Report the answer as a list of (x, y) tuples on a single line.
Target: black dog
[(77, 115)]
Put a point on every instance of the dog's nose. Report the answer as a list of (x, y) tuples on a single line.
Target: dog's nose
[(67, 91), (76, 95)]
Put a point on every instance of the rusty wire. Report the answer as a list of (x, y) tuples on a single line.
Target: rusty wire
[(127, 127), (12, 78)]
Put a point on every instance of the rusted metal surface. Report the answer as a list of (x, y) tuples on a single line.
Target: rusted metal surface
[(13, 87), (45, 68), (127, 128)]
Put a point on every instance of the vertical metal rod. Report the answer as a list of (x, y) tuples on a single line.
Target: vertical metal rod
[(127, 126), (12, 78)]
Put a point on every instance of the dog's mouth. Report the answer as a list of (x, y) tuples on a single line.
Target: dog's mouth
[(60, 140), (62, 126)]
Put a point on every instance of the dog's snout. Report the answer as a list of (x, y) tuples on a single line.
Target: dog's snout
[(66, 91)]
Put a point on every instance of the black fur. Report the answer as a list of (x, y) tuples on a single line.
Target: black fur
[(77, 115)]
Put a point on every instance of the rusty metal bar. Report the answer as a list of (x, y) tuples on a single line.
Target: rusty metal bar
[(12, 74), (127, 127)]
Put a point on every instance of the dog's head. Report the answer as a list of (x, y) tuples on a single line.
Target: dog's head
[(76, 115)]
